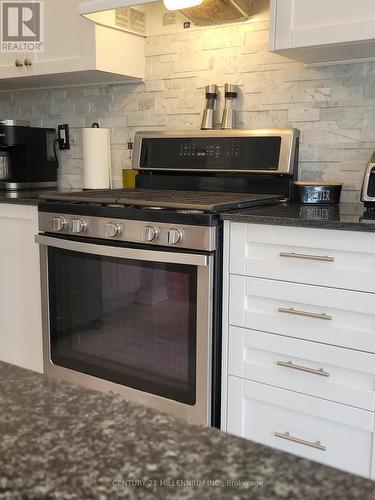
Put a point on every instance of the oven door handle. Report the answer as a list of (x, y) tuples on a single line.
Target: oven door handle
[(125, 253)]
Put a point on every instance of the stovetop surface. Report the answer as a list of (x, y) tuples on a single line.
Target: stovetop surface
[(206, 201)]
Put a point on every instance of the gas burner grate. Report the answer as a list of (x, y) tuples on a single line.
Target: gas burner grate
[(156, 199)]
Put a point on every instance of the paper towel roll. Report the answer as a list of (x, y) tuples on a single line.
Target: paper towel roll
[(96, 146)]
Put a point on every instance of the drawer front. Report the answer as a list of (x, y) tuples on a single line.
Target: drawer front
[(337, 317), (319, 370), (330, 433), (340, 259)]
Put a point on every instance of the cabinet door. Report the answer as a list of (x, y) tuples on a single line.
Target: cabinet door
[(68, 44), (331, 258), (326, 432), (20, 302), (8, 68), (298, 24), (324, 371), (63, 41), (321, 314), (75, 51), (302, 23)]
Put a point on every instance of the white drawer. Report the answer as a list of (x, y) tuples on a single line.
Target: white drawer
[(346, 259), (337, 317), (319, 370), (330, 433)]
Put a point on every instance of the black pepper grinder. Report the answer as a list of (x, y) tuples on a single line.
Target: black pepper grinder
[(208, 119), (229, 114)]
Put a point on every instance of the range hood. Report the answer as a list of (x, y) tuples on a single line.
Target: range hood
[(210, 12), (117, 14)]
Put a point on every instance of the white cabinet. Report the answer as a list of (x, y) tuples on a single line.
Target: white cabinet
[(327, 372), (332, 316), (326, 432), (20, 295), (338, 259), (76, 51), (321, 31), (12, 65), (299, 342)]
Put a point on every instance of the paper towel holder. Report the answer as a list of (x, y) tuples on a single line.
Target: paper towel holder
[(96, 150)]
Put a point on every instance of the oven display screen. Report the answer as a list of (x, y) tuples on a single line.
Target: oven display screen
[(226, 153)]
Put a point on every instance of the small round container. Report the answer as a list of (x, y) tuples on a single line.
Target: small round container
[(317, 193)]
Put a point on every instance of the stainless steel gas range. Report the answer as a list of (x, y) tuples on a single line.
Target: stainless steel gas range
[(131, 279)]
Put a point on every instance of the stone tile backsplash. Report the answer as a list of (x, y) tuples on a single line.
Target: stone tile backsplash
[(333, 106)]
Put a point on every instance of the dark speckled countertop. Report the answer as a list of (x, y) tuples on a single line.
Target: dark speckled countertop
[(31, 197), (21, 197), (60, 441), (347, 216)]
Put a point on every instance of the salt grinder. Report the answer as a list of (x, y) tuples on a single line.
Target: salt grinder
[(229, 114), (208, 119)]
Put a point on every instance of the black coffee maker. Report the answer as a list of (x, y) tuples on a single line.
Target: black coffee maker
[(27, 156)]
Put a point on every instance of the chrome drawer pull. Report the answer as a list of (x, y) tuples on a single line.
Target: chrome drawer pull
[(296, 312), (321, 258), (286, 435), (313, 371)]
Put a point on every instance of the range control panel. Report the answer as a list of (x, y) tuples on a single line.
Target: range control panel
[(132, 231), (211, 153), (211, 150)]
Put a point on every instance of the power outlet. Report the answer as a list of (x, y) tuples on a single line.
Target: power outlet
[(63, 135)]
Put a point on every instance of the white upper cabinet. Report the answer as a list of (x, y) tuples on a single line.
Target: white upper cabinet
[(76, 51), (323, 31)]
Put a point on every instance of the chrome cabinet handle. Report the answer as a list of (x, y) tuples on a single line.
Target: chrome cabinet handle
[(27, 62), (321, 258), (313, 371), (18, 63), (286, 435), (307, 314)]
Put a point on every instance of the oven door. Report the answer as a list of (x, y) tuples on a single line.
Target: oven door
[(131, 321)]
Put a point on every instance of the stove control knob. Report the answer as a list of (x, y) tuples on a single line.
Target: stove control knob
[(175, 236), (58, 223), (112, 230), (151, 233), (77, 225)]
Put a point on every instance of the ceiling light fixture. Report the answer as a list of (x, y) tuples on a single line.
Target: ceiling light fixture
[(181, 4)]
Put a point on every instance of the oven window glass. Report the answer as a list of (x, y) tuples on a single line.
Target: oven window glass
[(125, 321)]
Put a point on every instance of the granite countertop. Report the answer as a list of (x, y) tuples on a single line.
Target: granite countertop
[(347, 216), (22, 197), (29, 197), (61, 441)]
